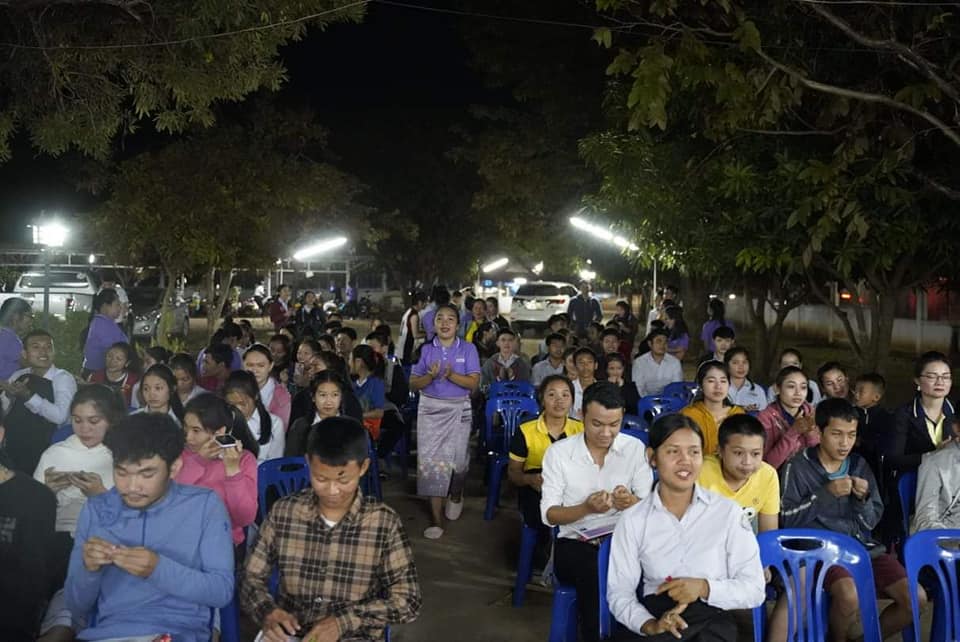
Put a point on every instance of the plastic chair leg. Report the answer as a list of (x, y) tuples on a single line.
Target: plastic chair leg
[(563, 617), (230, 621), (528, 542), (494, 473)]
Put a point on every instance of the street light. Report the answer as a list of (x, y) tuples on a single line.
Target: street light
[(495, 265), (605, 234), (49, 234), (319, 248)]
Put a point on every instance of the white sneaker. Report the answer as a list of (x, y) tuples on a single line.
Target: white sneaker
[(453, 510), (433, 532)]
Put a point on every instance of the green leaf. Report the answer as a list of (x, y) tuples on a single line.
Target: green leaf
[(603, 37), (748, 36)]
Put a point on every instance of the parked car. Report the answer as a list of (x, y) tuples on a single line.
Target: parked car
[(534, 303), (70, 290), (145, 306)]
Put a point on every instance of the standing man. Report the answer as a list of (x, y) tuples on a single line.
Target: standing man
[(35, 401), (583, 310), (280, 310), (110, 282)]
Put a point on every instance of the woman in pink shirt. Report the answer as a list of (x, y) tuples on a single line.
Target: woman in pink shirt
[(258, 361), (212, 461), (789, 420)]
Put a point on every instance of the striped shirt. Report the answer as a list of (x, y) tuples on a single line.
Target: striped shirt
[(360, 570)]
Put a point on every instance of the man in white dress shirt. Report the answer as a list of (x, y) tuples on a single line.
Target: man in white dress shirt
[(588, 479), (655, 369)]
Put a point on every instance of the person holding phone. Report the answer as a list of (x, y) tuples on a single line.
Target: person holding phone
[(788, 421), (221, 454)]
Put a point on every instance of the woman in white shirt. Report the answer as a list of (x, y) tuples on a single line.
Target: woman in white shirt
[(241, 391), (185, 371), (158, 387), (690, 551)]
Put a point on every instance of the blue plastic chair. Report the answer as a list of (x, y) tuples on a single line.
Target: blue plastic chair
[(512, 388), (652, 406), (637, 433), (907, 490), (563, 617), (528, 542), (511, 411), (633, 421), (811, 552), (230, 620), (683, 390), (925, 549), (370, 483), (286, 475), (62, 432)]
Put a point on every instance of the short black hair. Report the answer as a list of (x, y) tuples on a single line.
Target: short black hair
[(835, 408), (604, 393), (231, 330), (36, 333), (221, 353), (331, 327), (336, 441), (874, 379), (145, 435), (927, 358), (742, 424), (326, 376), (504, 331), (827, 367), (584, 351), (666, 425), (550, 379), (724, 332), (596, 326), (658, 332), (183, 361), (611, 332), (350, 332), (555, 336)]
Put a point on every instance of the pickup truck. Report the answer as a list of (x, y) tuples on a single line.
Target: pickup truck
[(70, 290)]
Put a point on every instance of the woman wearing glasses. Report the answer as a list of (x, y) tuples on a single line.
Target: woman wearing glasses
[(922, 425)]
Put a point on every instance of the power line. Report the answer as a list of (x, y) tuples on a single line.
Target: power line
[(183, 41), (492, 16)]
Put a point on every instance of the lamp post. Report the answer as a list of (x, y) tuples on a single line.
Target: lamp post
[(48, 235), (605, 234)]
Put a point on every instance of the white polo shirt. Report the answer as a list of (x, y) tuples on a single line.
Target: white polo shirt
[(570, 475)]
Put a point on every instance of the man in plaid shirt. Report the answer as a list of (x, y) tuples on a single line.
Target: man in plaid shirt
[(346, 565)]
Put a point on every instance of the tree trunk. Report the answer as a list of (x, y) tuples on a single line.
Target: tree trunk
[(166, 311), (767, 340), (882, 320), (216, 302)]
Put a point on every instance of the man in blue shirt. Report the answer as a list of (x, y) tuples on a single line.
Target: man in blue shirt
[(151, 557)]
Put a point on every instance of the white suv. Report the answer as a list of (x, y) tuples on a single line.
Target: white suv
[(534, 303)]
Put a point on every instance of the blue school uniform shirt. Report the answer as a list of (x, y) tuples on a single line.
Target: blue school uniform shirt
[(371, 393)]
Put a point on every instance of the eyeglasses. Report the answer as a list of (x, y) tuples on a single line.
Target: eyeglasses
[(936, 378)]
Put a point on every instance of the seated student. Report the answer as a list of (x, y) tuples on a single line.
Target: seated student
[(723, 340), (683, 558), (364, 570), (36, 400), (216, 367), (307, 364), (616, 369), (242, 392), (228, 467), (185, 371), (230, 335), (368, 367), (923, 425), (788, 420), (792, 357), (679, 337), (485, 341), (874, 423), (831, 488), (555, 323), (743, 392), (833, 381), (711, 405), (609, 344), (527, 448), (553, 363), (27, 514), (344, 339), (593, 341), (478, 312), (122, 371), (738, 472), (276, 398), (302, 404), (938, 487), (151, 356), (159, 389), (327, 390), (151, 555), (506, 365), (494, 316), (653, 370), (586, 362), (587, 479)]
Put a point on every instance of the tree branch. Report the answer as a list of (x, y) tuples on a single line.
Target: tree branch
[(862, 96), (902, 51), (937, 186)]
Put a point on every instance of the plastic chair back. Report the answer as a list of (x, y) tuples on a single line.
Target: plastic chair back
[(61, 433), (652, 406), (634, 422), (940, 551), (512, 388), (603, 564), (907, 490), (511, 410), (637, 433), (683, 390), (285, 475), (802, 558)]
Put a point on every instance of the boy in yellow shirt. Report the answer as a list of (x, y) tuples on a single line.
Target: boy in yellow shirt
[(739, 472)]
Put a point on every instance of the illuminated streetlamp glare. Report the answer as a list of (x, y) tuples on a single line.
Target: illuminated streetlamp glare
[(495, 265), (603, 234), (319, 248)]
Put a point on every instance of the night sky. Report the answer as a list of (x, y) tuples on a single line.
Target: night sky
[(398, 64)]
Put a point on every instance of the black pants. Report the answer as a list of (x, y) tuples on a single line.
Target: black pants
[(392, 429), (705, 623), (529, 501), (575, 563)]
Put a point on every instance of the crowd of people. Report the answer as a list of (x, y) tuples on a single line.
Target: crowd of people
[(129, 507)]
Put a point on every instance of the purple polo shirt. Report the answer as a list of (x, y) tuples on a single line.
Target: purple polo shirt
[(10, 350), (461, 355), (426, 320), (103, 333)]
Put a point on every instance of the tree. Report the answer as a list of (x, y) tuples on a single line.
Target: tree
[(75, 73), (846, 115), (236, 195)]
